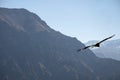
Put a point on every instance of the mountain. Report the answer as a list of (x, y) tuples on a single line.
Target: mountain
[(109, 49), (31, 50)]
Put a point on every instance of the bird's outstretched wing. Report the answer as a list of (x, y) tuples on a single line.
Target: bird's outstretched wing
[(83, 48), (95, 45), (106, 38)]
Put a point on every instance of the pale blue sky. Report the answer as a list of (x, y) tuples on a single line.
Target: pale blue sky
[(84, 19)]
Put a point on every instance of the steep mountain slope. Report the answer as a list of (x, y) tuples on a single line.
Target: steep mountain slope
[(31, 50)]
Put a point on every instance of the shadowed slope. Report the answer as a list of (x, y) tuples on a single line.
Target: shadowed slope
[(29, 51)]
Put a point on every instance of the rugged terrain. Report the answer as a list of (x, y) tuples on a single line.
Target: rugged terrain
[(31, 50)]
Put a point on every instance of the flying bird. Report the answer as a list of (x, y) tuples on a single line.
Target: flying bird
[(96, 45)]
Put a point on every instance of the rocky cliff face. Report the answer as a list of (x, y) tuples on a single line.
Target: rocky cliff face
[(31, 50)]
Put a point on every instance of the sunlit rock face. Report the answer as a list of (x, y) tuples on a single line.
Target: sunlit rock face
[(31, 50)]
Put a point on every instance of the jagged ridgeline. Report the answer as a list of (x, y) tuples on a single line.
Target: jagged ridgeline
[(31, 50)]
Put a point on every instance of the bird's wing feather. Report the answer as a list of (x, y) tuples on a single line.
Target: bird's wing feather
[(96, 43), (83, 48), (106, 39)]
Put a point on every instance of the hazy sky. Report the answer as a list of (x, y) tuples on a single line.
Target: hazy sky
[(84, 19)]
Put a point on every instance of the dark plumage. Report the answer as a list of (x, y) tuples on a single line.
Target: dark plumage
[(97, 44)]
